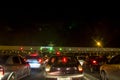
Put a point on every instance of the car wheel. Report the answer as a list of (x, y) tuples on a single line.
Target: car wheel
[(103, 76)]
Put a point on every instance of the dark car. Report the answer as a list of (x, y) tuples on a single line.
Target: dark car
[(63, 68), (94, 62)]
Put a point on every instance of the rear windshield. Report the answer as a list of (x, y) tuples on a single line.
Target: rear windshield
[(63, 60)]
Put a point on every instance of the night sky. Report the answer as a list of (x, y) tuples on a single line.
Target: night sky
[(60, 26)]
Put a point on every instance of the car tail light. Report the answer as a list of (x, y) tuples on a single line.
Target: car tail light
[(94, 62), (40, 60), (34, 54), (1, 71), (58, 53), (64, 59), (47, 68), (80, 68)]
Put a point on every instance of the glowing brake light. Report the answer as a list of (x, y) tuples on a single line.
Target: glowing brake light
[(94, 61), (58, 53), (64, 59), (39, 60), (34, 54)]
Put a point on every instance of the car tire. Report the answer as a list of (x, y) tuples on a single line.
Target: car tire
[(103, 76)]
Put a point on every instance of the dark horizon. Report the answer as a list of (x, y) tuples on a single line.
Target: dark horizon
[(19, 26)]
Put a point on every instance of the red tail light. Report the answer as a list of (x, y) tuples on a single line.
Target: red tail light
[(40, 60), (58, 53), (64, 59), (1, 71), (94, 62)]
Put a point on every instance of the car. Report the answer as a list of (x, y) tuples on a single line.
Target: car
[(63, 67), (35, 61), (111, 70), (13, 67), (93, 63)]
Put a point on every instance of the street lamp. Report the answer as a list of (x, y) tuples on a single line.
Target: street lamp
[(98, 43)]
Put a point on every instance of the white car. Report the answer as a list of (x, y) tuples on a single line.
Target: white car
[(111, 70), (13, 67), (35, 61)]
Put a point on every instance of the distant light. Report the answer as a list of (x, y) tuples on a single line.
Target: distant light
[(21, 48), (57, 53), (46, 47), (98, 43), (60, 49), (40, 48), (70, 49), (31, 48), (51, 48)]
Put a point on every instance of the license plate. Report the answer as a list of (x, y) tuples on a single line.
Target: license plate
[(63, 78)]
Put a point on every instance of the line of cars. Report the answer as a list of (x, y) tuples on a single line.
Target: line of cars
[(58, 67), (109, 69), (64, 67)]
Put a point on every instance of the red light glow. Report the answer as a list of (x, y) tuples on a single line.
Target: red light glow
[(64, 59), (94, 61)]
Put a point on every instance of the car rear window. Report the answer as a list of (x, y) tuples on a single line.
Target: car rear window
[(63, 60)]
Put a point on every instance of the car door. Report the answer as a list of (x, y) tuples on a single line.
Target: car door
[(17, 66), (115, 68), (25, 67)]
